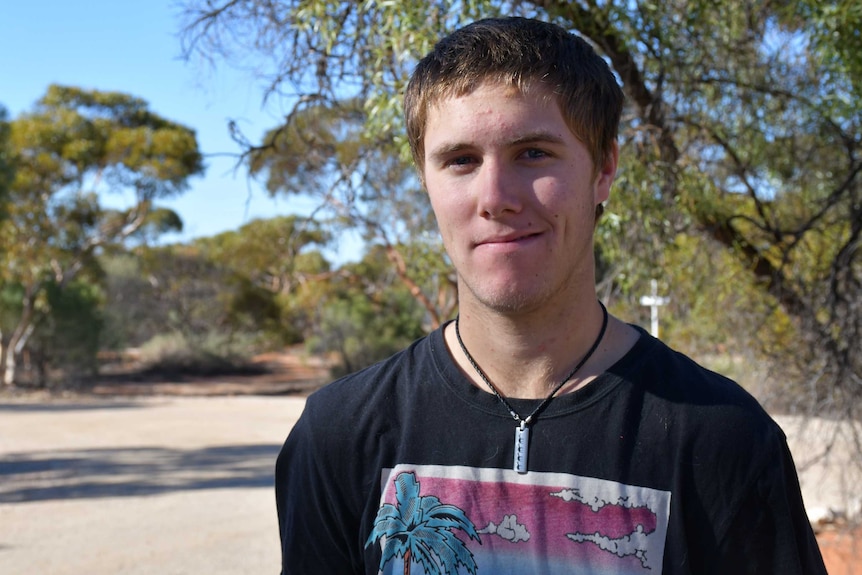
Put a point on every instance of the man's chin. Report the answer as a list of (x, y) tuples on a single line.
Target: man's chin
[(510, 299)]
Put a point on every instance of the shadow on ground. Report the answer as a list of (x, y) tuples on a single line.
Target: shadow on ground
[(92, 473), (70, 406)]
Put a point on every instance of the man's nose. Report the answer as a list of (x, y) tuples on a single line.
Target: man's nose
[(497, 191)]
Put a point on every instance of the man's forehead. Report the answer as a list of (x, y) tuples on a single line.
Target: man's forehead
[(470, 106), (508, 89)]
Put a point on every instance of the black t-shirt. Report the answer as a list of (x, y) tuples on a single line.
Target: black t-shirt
[(657, 466)]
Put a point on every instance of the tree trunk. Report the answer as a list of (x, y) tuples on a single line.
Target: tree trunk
[(407, 562), (9, 369), (18, 340), (14, 349), (401, 269)]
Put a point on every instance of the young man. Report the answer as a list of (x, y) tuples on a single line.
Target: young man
[(535, 434)]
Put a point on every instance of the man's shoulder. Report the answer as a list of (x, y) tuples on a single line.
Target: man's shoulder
[(674, 374), (380, 380), (685, 390)]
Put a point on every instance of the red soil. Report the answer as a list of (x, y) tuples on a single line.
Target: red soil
[(842, 550)]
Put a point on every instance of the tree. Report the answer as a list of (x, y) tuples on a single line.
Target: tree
[(364, 313), (269, 252), (361, 183), (69, 337), (75, 146), (275, 274), (419, 529), (189, 300), (131, 313), (742, 130), (754, 155), (248, 289)]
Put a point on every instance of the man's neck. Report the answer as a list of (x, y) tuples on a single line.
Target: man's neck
[(527, 355)]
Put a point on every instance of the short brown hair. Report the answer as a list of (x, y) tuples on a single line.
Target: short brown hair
[(526, 54)]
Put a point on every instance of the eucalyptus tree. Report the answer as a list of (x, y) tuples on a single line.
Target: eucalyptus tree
[(365, 313), (73, 148), (758, 147), (361, 183), (742, 130), (277, 274), (341, 140)]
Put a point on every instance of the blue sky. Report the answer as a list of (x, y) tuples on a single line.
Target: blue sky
[(133, 47)]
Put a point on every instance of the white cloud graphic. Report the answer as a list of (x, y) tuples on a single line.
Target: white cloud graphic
[(595, 503), (508, 529), (633, 544)]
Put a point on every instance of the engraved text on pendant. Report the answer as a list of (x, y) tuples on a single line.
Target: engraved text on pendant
[(522, 442)]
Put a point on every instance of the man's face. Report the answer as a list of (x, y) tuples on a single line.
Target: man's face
[(514, 192)]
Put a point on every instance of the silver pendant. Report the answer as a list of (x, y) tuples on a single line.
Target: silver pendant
[(522, 444)]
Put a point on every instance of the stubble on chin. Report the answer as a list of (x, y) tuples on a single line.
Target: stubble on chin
[(534, 291), (506, 300)]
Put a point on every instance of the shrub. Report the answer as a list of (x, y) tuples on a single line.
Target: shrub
[(211, 353)]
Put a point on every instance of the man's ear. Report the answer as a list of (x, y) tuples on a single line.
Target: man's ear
[(606, 174)]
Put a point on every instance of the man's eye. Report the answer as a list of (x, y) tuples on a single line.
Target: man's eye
[(534, 153), (460, 161)]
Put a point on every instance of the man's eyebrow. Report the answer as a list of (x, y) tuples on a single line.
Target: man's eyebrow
[(447, 149), (536, 137)]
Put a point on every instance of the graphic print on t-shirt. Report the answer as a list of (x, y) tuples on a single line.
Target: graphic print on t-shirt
[(444, 519)]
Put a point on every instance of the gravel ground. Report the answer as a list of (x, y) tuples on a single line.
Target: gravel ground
[(827, 459), (179, 485), (134, 487)]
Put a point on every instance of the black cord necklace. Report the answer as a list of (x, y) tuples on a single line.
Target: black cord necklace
[(522, 431)]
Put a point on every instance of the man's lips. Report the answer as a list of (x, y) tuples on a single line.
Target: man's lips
[(510, 238)]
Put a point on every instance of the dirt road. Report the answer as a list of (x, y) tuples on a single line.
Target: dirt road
[(180, 485), (134, 487)]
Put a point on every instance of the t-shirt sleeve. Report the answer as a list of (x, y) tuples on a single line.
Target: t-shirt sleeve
[(314, 523), (770, 532)]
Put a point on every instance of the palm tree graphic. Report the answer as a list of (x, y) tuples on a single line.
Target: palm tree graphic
[(419, 529)]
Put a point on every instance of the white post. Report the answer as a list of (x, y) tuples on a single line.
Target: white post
[(653, 301)]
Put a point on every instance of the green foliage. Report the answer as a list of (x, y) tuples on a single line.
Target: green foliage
[(211, 353), (268, 251), (263, 286), (367, 316), (362, 332), (834, 30), (156, 222), (318, 140), (11, 296), (273, 273), (75, 146), (71, 332), (90, 130), (188, 289), (132, 311), (64, 346), (257, 285), (361, 184), (342, 141), (187, 313)]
